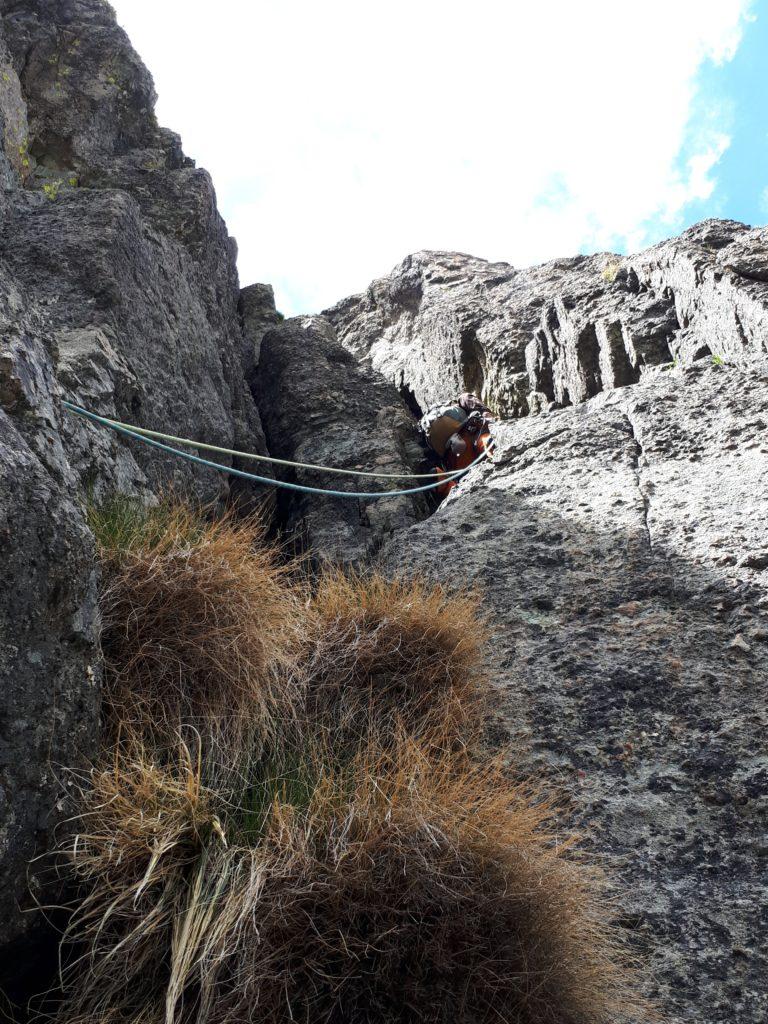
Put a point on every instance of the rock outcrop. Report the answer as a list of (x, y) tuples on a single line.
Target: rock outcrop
[(562, 332), (622, 549), (320, 407), (118, 290)]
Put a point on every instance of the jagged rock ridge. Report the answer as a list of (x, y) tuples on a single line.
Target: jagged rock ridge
[(566, 330)]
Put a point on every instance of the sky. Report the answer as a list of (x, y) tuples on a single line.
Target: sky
[(346, 134)]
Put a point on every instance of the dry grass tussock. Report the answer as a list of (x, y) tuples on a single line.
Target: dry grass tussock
[(201, 627), (392, 888), (347, 860), (388, 654)]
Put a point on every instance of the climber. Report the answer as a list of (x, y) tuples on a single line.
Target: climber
[(456, 434)]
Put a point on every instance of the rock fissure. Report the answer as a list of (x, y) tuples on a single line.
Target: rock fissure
[(363, 424), (639, 463)]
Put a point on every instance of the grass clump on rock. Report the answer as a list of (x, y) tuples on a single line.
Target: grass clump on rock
[(200, 624), (350, 859), (395, 654), (394, 888)]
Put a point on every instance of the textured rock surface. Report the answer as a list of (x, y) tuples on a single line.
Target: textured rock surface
[(257, 309), (623, 549), (564, 331), (320, 407), (49, 669), (118, 289), (115, 233)]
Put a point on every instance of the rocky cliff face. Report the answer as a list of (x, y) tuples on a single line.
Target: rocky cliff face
[(320, 407), (118, 290), (619, 536), (622, 547), (565, 331)]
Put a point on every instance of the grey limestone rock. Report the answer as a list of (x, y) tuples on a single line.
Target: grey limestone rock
[(49, 673), (320, 407), (257, 309), (115, 234), (118, 290), (564, 331), (623, 552)]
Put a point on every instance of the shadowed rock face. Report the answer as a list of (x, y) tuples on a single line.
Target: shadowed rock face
[(320, 407), (118, 289), (564, 331), (115, 233), (623, 551)]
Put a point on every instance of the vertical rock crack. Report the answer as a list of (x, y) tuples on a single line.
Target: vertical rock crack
[(638, 460)]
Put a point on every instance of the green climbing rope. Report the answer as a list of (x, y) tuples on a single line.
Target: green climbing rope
[(128, 431)]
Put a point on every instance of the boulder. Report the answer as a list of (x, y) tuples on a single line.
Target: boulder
[(318, 406)]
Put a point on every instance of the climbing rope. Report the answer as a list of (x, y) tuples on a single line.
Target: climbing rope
[(128, 431), (106, 421)]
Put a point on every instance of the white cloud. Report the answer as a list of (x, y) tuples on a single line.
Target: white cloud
[(343, 135)]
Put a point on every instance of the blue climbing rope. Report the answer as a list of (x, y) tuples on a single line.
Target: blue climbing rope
[(204, 446), (120, 428)]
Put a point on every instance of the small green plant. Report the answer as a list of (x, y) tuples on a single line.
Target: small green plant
[(718, 361), (112, 75), (121, 523), (291, 779), (52, 189), (610, 271), (676, 364), (24, 152)]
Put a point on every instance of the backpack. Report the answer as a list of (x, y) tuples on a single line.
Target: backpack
[(440, 424)]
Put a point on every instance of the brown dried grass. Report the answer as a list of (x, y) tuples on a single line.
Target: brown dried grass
[(392, 654), (201, 627), (395, 888), (346, 860)]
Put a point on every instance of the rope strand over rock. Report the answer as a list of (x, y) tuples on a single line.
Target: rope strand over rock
[(147, 437)]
